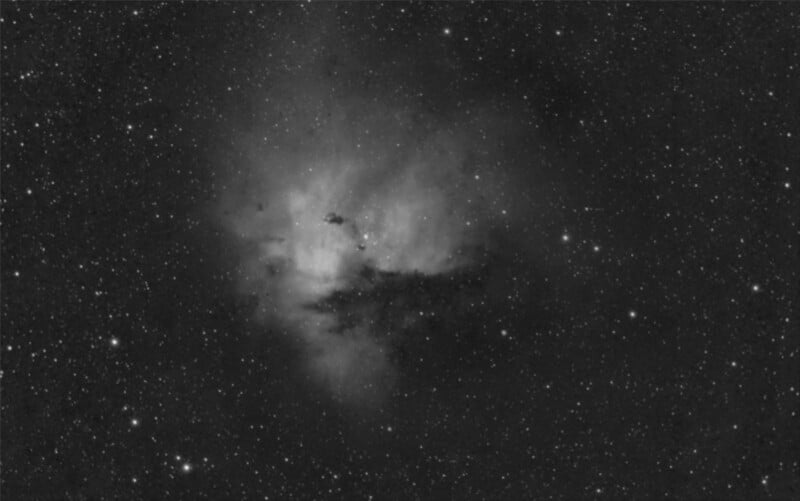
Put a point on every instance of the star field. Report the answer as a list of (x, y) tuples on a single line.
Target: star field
[(399, 251)]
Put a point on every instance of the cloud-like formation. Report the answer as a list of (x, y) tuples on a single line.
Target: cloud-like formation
[(343, 187)]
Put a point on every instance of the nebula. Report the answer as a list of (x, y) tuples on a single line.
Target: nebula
[(341, 185)]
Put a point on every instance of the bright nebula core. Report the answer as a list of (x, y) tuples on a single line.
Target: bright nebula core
[(365, 195)]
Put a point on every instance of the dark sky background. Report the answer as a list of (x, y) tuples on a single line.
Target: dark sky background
[(623, 325)]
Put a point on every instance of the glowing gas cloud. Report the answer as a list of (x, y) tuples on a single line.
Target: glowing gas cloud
[(340, 185)]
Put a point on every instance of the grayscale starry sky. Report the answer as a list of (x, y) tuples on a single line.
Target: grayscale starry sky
[(365, 250)]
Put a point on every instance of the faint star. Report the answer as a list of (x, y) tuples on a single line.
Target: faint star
[(632, 314), (114, 341), (446, 31)]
